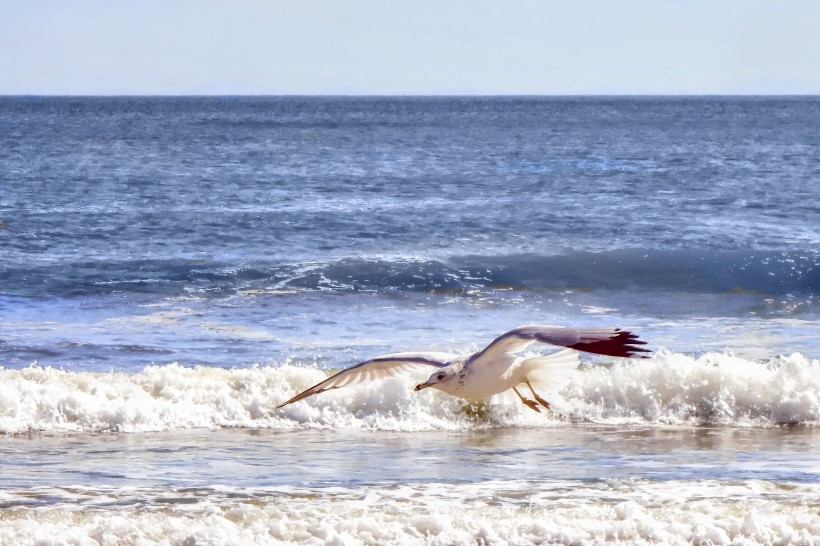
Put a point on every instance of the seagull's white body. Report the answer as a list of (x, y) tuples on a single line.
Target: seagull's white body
[(496, 368), (484, 378)]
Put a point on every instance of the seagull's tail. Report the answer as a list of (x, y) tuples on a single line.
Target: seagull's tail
[(550, 374)]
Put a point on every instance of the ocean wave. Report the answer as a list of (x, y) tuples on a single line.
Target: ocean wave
[(631, 512), (668, 389), (699, 271)]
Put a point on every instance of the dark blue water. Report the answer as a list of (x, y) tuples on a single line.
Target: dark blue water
[(659, 208)]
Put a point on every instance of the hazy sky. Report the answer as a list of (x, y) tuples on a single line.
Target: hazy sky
[(409, 47)]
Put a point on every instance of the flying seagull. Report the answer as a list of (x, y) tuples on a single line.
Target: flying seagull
[(497, 367)]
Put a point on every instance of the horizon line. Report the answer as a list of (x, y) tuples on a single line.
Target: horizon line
[(406, 95)]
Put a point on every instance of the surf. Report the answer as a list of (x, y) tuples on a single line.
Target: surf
[(670, 389)]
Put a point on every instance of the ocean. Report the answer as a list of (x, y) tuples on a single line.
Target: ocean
[(173, 268)]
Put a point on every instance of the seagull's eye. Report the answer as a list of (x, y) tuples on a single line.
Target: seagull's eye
[(440, 376)]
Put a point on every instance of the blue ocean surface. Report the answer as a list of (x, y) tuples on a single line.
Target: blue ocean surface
[(173, 268)]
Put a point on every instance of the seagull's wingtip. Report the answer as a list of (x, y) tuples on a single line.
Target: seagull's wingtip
[(620, 342)]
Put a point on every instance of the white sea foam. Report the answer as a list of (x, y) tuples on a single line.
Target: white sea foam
[(621, 512), (714, 388), (670, 388)]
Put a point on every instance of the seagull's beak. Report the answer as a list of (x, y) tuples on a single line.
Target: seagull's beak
[(422, 386)]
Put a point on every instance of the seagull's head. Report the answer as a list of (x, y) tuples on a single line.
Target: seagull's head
[(437, 378)]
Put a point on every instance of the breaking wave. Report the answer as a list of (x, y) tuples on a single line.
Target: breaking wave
[(667, 389)]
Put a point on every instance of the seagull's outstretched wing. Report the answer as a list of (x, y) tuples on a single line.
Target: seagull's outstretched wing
[(603, 341), (376, 368)]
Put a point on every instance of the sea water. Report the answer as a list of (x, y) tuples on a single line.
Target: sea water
[(171, 269)]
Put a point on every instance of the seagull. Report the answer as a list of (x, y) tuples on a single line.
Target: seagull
[(497, 367)]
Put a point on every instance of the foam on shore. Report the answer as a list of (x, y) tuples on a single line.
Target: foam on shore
[(622, 512)]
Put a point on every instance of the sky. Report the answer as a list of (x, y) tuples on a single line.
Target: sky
[(409, 47)]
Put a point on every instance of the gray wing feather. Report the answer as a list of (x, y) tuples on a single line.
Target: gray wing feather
[(380, 367), (606, 341)]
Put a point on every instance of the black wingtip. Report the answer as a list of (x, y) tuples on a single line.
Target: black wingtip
[(623, 344)]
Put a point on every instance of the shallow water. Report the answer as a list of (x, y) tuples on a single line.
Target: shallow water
[(565, 483), (348, 458)]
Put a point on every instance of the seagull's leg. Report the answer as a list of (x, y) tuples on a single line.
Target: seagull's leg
[(538, 398), (529, 403)]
